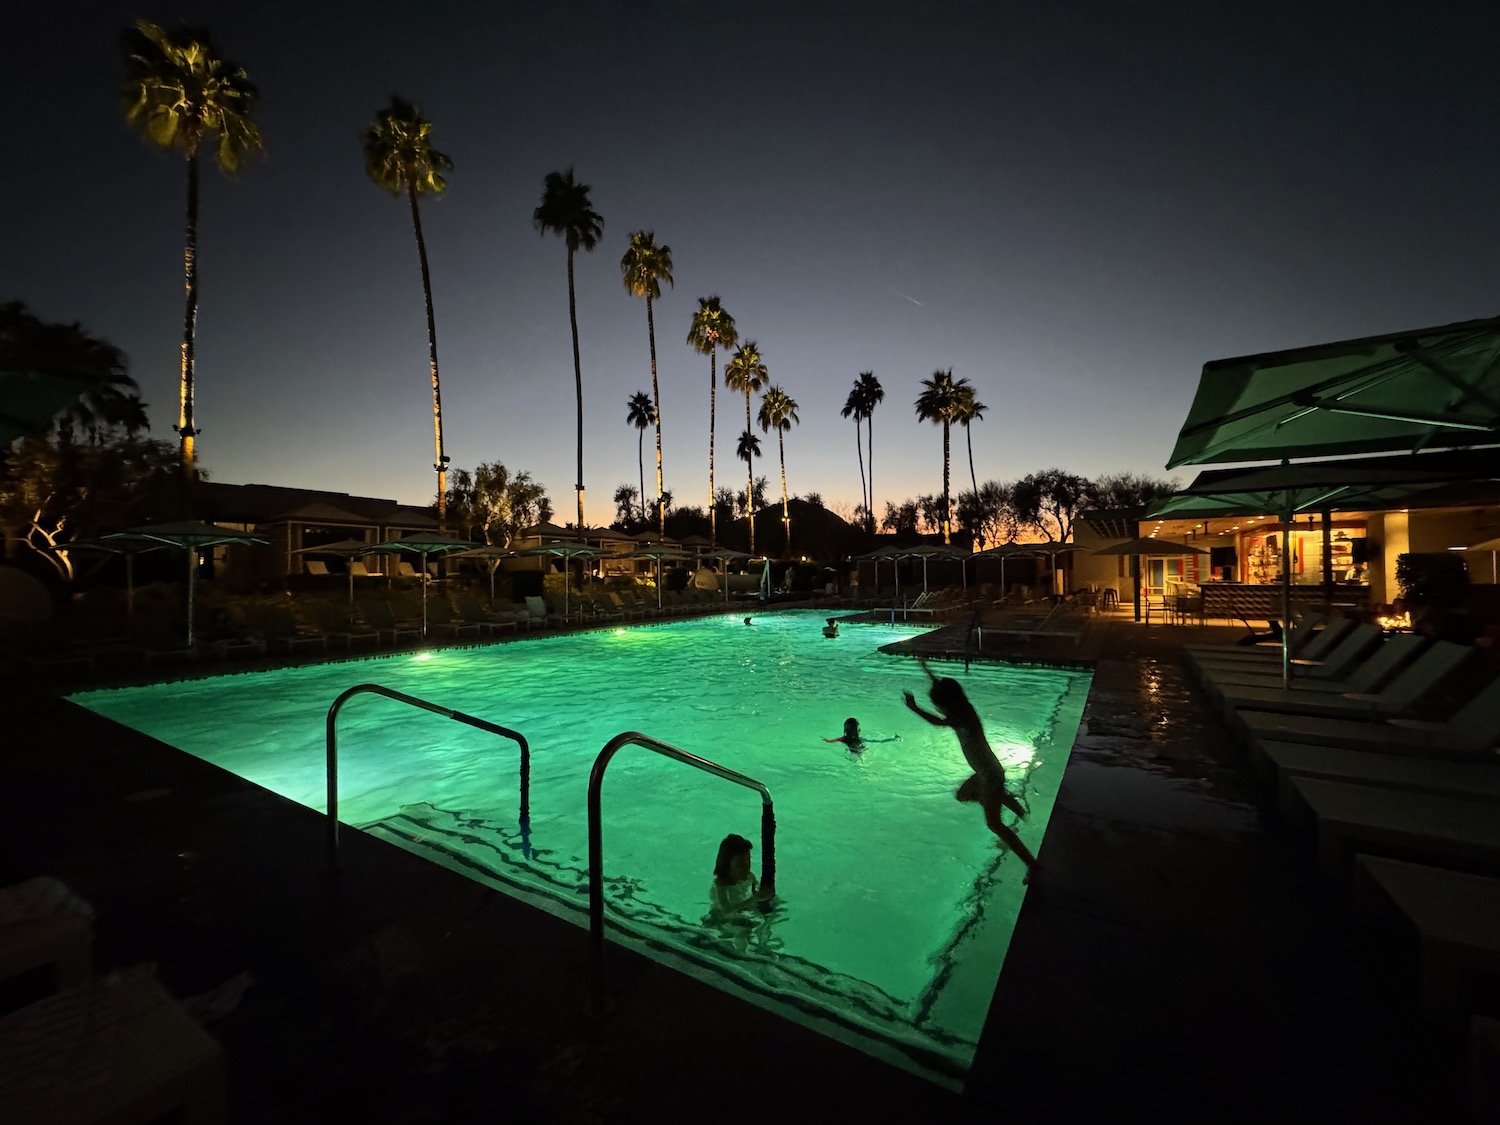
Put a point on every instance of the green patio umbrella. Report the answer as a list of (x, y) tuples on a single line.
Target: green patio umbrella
[(491, 554), (567, 551), (925, 551), (423, 543), (126, 545), (191, 536), (658, 554), (724, 554)]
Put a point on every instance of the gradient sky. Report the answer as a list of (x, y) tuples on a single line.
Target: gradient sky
[(1073, 208)]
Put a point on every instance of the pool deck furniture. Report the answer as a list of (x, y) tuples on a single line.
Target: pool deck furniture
[(378, 616), (1456, 917), (335, 624), (113, 1049), (1290, 760), (1366, 676), (442, 619), (42, 926), (1422, 827)]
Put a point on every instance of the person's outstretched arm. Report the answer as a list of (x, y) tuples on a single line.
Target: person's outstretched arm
[(916, 708)]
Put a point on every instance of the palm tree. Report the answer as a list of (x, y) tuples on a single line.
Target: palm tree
[(400, 158), (854, 408), (970, 409), (179, 91), (711, 327), (565, 210), (746, 373), (870, 395), (643, 268), (107, 398), (641, 413), (778, 411), (939, 402)]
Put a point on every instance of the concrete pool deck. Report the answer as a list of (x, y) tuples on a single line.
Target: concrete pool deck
[(1176, 959)]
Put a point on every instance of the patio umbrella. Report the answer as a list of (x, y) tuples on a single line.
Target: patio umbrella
[(344, 549), (876, 556), (724, 554), (927, 551), (126, 545), (547, 530), (1147, 547), (657, 554), (192, 536), (423, 543), (567, 551), (491, 554)]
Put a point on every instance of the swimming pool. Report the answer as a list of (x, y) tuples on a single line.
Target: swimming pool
[(895, 904)]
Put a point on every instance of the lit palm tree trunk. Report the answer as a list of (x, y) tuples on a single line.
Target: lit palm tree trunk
[(947, 456), (441, 463), (786, 519), (640, 462), (713, 398), (185, 425), (749, 480), (864, 492), (577, 380), (661, 504)]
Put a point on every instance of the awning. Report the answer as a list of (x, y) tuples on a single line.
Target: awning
[(1430, 388)]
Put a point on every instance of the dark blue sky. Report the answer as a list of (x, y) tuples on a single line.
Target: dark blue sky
[(1074, 209)]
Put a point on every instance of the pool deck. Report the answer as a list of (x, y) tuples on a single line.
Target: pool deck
[(1176, 959)]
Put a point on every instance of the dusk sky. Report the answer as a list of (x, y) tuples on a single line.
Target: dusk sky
[(1072, 206)]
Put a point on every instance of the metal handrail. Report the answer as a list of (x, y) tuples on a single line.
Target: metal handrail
[(596, 835), (976, 630), (425, 705)]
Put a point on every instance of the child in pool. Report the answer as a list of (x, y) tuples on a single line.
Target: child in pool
[(735, 887), (831, 630), (986, 786), (854, 741)]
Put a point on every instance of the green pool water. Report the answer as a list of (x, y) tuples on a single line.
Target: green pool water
[(895, 902)]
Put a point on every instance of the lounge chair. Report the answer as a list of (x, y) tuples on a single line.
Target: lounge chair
[(404, 569), (1345, 656), (1398, 697), (1317, 646), (1471, 780), (1368, 675), (539, 612), (358, 568), (1303, 630), (1472, 729), (316, 567), (335, 624), (475, 614), (278, 626), (378, 616), (43, 924), (442, 619), (629, 611)]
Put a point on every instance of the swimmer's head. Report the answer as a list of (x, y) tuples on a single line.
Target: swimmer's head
[(747, 621), (946, 693), (851, 727)]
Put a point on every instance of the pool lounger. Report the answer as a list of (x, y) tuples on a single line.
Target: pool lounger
[(1346, 657), (1316, 647), (1464, 780), (1368, 675), (1456, 917), (1446, 831)]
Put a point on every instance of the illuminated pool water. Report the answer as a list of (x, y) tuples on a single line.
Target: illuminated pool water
[(896, 903)]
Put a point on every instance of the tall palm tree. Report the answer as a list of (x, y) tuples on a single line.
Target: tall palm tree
[(970, 409), (641, 413), (106, 397), (939, 402), (566, 210), (643, 268), (400, 158), (180, 92), (778, 411), (747, 449), (746, 373), (871, 393), (854, 407), (711, 327)]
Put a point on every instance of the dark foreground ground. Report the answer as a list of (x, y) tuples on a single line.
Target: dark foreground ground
[(1177, 960)]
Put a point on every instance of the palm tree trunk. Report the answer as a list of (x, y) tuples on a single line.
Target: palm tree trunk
[(185, 425), (870, 440), (577, 381), (640, 460), (946, 460), (864, 494), (661, 503), (441, 462), (713, 395), (973, 480), (786, 519), (749, 479)]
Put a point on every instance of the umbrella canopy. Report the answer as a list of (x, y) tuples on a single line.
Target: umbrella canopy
[(492, 554), (423, 543), (567, 551), (547, 530), (658, 554), (1151, 548), (343, 549), (925, 551), (192, 536), (724, 554), (1405, 391), (122, 544)]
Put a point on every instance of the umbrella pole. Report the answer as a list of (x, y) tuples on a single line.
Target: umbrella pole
[(129, 584), (567, 581), (1286, 602), (924, 574), (423, 556), (726, 581), (192, 556), (494, 566), (349, 572)]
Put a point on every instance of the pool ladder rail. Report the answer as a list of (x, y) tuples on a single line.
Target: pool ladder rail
[(425, 705), (596, 835)]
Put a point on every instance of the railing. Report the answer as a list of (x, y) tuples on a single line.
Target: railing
[(446, 712), (976, 632), (596, 835)]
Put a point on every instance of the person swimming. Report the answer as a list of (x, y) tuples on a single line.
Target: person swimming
[(832, 628), (986, 786), (853, 741), (747, 621)]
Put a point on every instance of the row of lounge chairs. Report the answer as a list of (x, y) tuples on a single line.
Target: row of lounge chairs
[(1384, 750)]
